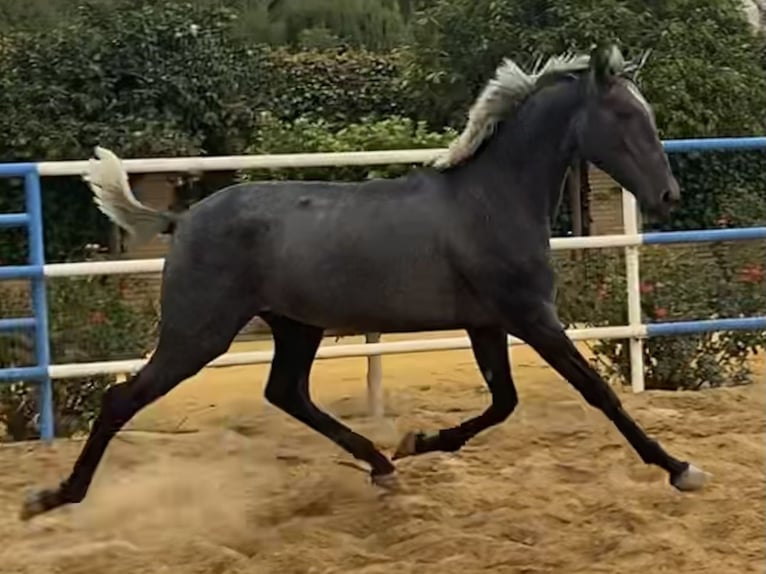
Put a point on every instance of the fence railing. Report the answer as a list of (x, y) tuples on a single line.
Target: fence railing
[(32, 220), (631, 241)]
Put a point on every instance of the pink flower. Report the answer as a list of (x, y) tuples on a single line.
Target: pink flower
[(97, 318), (751, 274)]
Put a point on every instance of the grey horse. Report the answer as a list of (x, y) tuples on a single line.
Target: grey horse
[(460, 244)]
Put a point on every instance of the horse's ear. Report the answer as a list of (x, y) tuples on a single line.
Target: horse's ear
[(606, 61)]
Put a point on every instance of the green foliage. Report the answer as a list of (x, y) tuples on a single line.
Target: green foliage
[(706, 76), (70, 221), (692, 77), (377, 25), (306, 136), (684, 283), (333, 85), (163, 78), (29, 14), (90, 320), (719, 189), (157, 79), (732, 285), (371, 24)]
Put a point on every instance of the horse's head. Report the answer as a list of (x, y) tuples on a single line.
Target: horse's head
[(616, 132)]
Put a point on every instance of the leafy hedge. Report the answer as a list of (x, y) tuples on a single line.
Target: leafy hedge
[(154, 80), (305, 135), (705, 56), (157, 80), (337, 85), (719, 189), (678, 283)]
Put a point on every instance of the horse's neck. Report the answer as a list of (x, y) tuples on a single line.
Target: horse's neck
[(528, 157)]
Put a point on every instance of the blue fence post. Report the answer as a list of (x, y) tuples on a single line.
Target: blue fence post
[(32, 220), (39, 300)]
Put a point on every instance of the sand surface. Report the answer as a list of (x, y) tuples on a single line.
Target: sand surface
[(553, 490)]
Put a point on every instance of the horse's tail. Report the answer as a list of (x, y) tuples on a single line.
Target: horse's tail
[(108, 181)]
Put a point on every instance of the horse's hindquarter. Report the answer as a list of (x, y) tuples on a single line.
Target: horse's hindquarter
[(368, 257)]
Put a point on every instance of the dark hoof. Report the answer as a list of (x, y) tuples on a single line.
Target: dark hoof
[(389, 482), (407, 446), (689, 479), (40, 502)]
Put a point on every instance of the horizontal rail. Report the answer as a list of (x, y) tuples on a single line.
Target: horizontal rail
[(15, 374), (155, 265), (122, 267), (8, 220), (335, 159), (423, 346), (17, 169), (20, 272), (242, 162), (704, 235), (706, 326), (132, 266), (714, 144), (20, 324), (335, 351)]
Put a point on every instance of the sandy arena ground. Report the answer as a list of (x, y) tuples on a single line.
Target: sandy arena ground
[(554, 490)]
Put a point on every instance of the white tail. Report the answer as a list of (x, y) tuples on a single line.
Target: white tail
[(108, 181)]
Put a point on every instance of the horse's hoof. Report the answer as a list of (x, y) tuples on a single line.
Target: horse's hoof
[(691, 478), (388, 481), (406, 446), (38, 503)]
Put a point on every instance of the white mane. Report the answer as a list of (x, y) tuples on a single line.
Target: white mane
[(510, 86)]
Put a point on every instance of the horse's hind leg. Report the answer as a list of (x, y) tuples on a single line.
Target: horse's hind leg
[(295, 345), (490, 348), (198, 326)]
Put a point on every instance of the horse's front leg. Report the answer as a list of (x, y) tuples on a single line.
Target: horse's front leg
[(490, 348), (538, 325)]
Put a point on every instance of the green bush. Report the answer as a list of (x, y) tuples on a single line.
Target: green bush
[(306, 135), (718, 189), (684, 282), (691, 78), (678, 283), (160, 78), (336, 85), (70, 221), (153, 79), (89, 320)]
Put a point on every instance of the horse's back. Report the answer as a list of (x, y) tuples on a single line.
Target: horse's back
[(345, 255)]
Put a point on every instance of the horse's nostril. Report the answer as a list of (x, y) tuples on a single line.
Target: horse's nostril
[(667, 196)]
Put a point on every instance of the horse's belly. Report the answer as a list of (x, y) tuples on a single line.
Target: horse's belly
[(367, 302)]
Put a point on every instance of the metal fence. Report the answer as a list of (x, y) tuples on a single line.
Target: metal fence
[(37, 271)]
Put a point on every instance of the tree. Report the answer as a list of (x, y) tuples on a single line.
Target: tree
[(162, 78), (692, 77), (158, 79)]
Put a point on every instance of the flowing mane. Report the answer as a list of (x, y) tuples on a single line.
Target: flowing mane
[(502, 94)]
